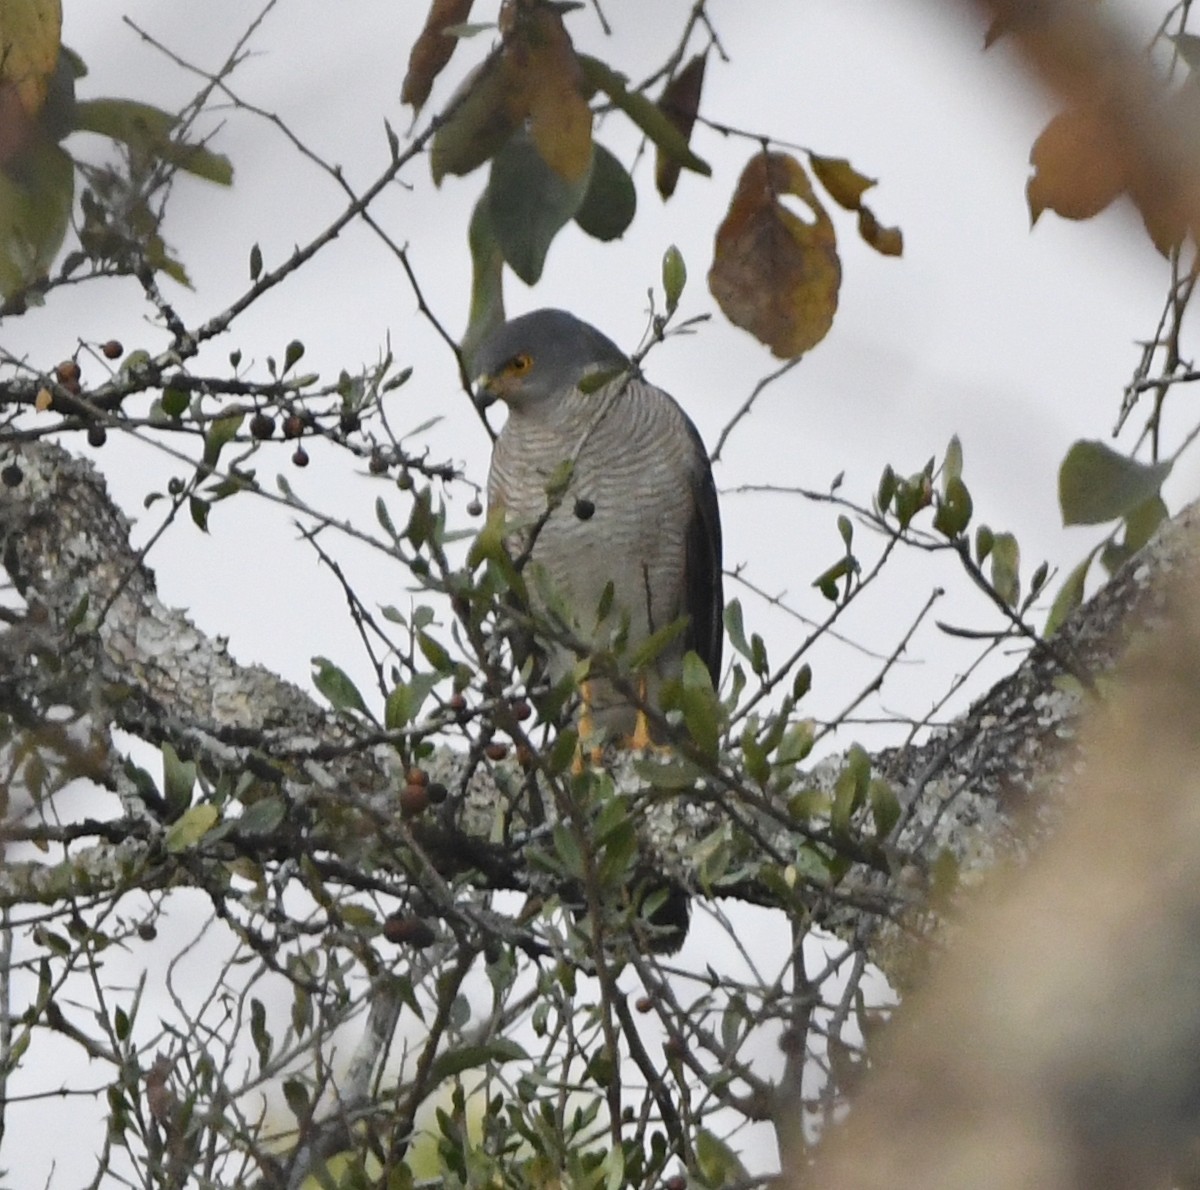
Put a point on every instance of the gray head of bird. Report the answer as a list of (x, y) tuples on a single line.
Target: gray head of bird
[(542, 356)]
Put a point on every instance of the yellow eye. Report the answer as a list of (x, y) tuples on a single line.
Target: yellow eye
[(519, 364)]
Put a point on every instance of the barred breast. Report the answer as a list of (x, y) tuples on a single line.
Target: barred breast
[(625, 516)]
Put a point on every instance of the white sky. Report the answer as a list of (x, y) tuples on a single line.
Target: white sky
[(1017, 342)]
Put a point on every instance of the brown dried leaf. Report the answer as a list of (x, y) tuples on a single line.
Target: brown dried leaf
[(888, 241), (844, 183), (432, 49), (774, 274), (679, 102), (1080, 165), (540, 53)]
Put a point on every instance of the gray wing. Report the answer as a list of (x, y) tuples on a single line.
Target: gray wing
[(704, 597)]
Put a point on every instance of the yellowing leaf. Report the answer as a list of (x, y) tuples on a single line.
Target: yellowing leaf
[(560, 120), (774, 274), (679, 102), (187, 830), (432, 49), (30, 32), (843, 182), (1079, 165)]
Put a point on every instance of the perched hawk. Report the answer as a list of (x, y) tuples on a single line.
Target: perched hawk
[(639, 510)]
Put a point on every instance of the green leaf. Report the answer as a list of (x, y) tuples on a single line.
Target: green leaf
[(528, 204), (1141, 522), (406, 699), (796, 744), (643, 112), (199, 510), (736, 629), (693, 694), (222, 431), (1069, 597), (674, 277), (649, 650), (886, 489), (337, 687), (37, 191), (984, 540), (885, 806), (179, 779), (258, 1032), (148, 130), (954, 509), (187, 830), (435, 653), (487, 283), (294, 352), (468, 1057), (718, 1164), (610, 201), (296, 1095), (480, 121), (850, 789), (1096, 484), (1006, 568), (263, 816), (952, 465)]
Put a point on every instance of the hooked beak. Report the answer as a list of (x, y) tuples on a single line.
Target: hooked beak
[(485, 391)]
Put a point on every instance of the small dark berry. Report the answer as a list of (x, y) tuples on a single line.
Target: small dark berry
[(73, 387), (417, 776), (496, 751), (293, 425), (262, 425), (521, 710), (673, 1048), (474, 508), (300, 457), (147, 931), (436, 792), (348, 422), (493, 952), (457, 701), (97, 435), (644, 1004), (404, 481), (175, 486), (113, 349), (67, 372), (675, 1182), (11, 475), (414, 799), (405, 929), (584, 509), (525, 756), (378, 463)]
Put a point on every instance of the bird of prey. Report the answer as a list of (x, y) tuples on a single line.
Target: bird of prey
[(633, 545)]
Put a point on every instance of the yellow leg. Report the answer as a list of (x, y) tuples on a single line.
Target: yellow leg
[(641, 725), (587, 730)]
